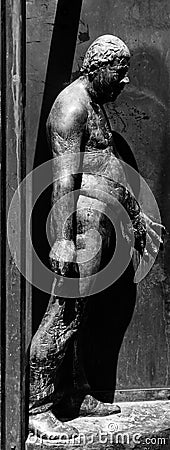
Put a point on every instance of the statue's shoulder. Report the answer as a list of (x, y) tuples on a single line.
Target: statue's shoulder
[(69, 112)]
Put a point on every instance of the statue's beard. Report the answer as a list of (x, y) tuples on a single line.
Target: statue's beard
[(108, 93), (106, 90)]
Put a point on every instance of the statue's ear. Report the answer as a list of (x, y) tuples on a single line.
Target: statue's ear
[(93, 67), (93, 70)]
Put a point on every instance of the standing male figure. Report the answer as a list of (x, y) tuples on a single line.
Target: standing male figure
[(86, 172)]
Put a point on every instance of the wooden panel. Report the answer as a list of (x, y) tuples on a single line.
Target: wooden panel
[(13, 170)]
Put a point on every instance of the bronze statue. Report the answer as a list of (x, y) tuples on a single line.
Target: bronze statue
[(78, 125)]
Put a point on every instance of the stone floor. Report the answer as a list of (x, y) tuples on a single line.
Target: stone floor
[(140, 426)]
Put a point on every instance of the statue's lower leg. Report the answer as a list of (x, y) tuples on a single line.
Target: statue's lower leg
[(50, 366)]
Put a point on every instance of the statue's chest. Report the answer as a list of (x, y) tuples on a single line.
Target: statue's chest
[(98, 132)]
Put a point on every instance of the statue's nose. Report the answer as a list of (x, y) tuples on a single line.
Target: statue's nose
[(125, 80)]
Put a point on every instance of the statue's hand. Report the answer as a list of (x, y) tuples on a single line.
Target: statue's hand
[(155, 232), (62, 258), (148, 235)]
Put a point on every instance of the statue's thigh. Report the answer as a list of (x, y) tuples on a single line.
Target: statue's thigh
[(93, 239)]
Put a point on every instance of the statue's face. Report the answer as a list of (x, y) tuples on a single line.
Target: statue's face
[(110, 80)]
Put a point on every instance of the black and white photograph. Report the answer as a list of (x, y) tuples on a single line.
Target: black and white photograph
[(85, 224)]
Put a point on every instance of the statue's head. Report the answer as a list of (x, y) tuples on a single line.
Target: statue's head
[(106, 64)]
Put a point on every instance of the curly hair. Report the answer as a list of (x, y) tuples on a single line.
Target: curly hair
[(106, 49)]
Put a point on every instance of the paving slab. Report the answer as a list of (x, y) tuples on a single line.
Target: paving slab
[(140, 426)]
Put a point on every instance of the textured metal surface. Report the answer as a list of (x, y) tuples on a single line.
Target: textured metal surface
[(140, 115)]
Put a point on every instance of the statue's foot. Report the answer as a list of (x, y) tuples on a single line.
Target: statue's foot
[(47, 426), (75, 406), (93, 407)]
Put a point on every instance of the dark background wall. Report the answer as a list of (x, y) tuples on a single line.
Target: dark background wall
[(141, 116)]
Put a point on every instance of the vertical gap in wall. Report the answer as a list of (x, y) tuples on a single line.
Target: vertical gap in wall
[(58, 73)]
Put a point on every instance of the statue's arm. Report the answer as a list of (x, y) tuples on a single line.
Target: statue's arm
[(65, 129), (143, 227)]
